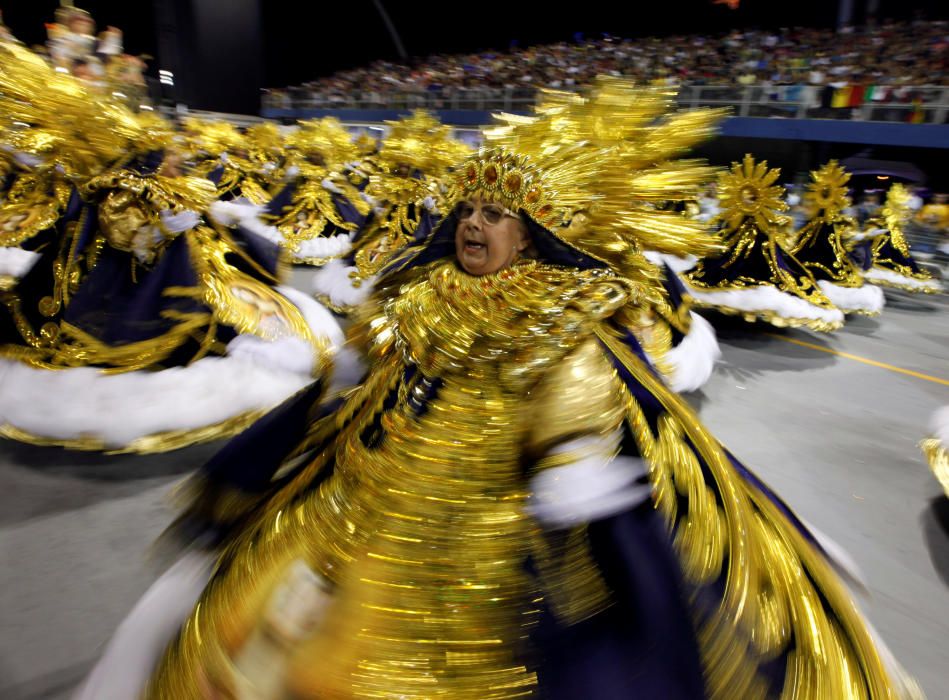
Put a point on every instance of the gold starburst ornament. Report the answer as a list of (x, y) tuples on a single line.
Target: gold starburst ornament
[(747, 191), (827, 191)]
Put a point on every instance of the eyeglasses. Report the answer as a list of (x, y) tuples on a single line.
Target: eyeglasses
[(490, 213)]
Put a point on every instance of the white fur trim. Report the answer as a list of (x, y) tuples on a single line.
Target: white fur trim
[(324, 247), (866, 299), (693, 360), (675, 263), (839, 557), (333, 281), (593, 487), (940, 426), (767, 299), (139, 642), (320, 320), (348, 366), (286, 354), (15, 262), (259, 228), (233, 213), (120, 408), (876, 274), (180, 222), (330, 186)]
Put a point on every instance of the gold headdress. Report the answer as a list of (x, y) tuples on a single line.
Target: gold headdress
[(326, 137), (897, 209), (366, 145), (421, 142), (213, 137), (56, 114), (896, 212), (593, 169), (264, 140), (747, 191), (827, 190)]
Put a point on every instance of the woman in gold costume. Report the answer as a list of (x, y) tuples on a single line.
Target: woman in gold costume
[(241, 166), (756, 277), (403, 180), (512, 503), (317, 209), (138, 326), (819, 244), (884, 252)]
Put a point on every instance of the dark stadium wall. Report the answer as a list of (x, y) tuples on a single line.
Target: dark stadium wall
[(213, 48), (796, 158)]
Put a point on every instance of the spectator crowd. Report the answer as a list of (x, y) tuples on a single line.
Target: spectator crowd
[(874, 65)]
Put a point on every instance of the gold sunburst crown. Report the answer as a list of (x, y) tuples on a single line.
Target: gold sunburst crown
[(827, 190), (510, 179), (747, 192), (325, 137), (421, 142), (594, 168), (897, 208), (264, 140), (213, 137), (366, 145)]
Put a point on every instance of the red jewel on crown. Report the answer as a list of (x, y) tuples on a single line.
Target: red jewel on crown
[(490, 175), (512, 183)]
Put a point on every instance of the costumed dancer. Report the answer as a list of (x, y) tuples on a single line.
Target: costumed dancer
[(139, 327), (820, 244), (318, 209), (512, 504), (756, 277), (679, 341), (883, 252), (936, 448), (404, 182), (34, 193), (216, 150)]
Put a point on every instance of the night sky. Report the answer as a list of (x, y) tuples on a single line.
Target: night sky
[(306, 40)]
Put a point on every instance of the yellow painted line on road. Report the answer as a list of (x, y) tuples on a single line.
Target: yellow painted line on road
[(864, 360)]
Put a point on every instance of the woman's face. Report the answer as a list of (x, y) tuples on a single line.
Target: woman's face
[(489, 237)]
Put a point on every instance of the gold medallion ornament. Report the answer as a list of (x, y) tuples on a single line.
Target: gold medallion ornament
[(827, 191), (512, 180), (747, 191)]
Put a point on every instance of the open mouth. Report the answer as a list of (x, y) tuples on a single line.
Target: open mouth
[(473, 246)]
